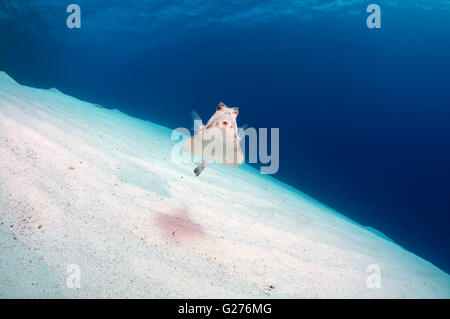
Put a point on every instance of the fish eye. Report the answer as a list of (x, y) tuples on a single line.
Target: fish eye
[(220, 106)]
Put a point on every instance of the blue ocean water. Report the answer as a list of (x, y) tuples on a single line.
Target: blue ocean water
[(363, 113)]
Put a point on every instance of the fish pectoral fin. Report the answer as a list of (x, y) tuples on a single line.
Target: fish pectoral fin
[(198, 123), (241, 131)]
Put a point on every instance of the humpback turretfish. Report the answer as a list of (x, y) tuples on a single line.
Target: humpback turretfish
[(218, 140)]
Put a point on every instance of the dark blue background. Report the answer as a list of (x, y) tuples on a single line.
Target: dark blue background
[(363, 114)]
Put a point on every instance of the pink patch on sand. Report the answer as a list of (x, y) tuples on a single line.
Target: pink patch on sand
[(179, 226)]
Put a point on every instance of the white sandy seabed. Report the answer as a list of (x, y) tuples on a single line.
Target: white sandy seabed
[(95, 188)]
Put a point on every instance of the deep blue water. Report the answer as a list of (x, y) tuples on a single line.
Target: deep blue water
[(364, 114)]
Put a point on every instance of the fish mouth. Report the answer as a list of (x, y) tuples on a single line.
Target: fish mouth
[(225, 123)]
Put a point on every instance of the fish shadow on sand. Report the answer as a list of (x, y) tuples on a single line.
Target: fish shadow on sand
[(179, 226)]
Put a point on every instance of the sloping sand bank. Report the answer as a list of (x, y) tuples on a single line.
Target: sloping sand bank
[(91, 189)]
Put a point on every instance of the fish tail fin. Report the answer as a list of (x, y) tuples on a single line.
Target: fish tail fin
[(199, 169)]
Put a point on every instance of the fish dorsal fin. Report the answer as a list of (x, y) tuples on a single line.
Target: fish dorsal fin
[(198, 123), (241, 131)]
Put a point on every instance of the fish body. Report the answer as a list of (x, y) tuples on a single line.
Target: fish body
[(218, 140)]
